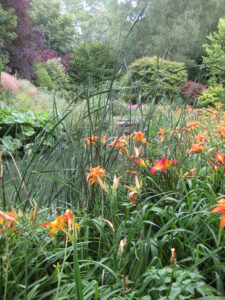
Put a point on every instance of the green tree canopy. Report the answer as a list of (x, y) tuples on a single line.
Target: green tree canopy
[(56, 25), (7, 23)]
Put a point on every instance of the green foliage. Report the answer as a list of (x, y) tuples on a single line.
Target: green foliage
[(0, 70), (91, 65), (212, 96), (20, 128), (56, 25), (215, 59), (43, 79), (57, 73), (169, 283), (152, 78), (7, 24)]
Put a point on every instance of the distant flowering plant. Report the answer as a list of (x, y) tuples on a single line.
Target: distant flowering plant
[(119, 143), (91, 140), (95, 175), (193, 124), (65, 223), (196, 148), (162, 165), (139, 137), (202, 137)]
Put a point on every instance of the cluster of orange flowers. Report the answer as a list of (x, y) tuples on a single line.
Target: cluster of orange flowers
[(65, 223)]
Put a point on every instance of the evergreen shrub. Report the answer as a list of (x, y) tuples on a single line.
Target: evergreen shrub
[(212, 96), (91, 64), (152, 78)]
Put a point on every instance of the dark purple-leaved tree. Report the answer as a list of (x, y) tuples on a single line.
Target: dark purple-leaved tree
[(22, 51)]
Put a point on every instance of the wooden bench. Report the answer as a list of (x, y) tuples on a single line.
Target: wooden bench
[(126, 126)]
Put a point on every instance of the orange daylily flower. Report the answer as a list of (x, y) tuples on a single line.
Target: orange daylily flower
[(201, 137), (196, 148), (220, 209), (91, 140), (95, 176), (221, 130), (55, 225), (168, 163), (193, 124), (139, 137), (8, 217), (67, 219), (118, 143)]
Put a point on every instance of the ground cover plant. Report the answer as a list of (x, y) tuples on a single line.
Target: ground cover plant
[(117, 215)]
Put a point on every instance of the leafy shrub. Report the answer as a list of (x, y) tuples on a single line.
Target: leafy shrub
[(191, 91), (171, 284), (212, 96), (91, 64), (150, 77), (56, 71), (20, 128), (42, 77)]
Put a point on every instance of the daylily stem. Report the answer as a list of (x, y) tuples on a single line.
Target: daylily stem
[(219, 236)]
